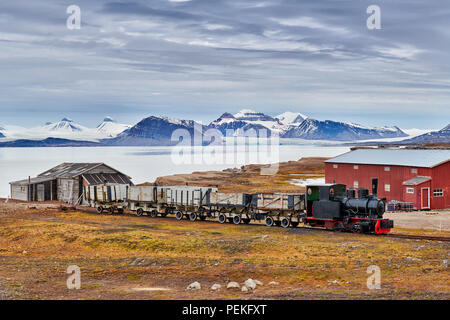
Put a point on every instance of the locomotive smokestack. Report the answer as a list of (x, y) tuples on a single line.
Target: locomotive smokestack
[(374, 186)]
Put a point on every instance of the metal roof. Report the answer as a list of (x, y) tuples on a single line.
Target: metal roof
[(101, 178), (70, 170), (398, 157), (416, 181), (32, 181)]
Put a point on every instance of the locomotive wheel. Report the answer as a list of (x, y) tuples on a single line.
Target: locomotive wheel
[(99, 209), (222, 218), (269, 221), (179, 215), (338, 227), (356, 228), (193, 216), (236, 219), (246, 221), (139, 212), (294, 224), (153, 214), (285, 222)]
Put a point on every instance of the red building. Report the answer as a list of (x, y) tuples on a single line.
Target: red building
[(421, 177)]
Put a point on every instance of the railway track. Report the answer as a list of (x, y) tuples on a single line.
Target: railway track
[(389, 235)]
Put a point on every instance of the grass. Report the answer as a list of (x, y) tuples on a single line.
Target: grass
[(117, 253)]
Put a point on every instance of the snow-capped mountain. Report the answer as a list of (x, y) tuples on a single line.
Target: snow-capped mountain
[(66, 125), (259, 119), (109, 128), (228, 123), (340, 131), (441, 136), (155, 130), (291, 118), (1, 134)]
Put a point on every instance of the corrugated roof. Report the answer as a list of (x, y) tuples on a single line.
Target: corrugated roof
[(416, 181), (397, 157), (32, 181), (101, 178), (70, 170)]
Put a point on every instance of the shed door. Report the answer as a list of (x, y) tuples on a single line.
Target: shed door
[(425, 198), (40, 192)]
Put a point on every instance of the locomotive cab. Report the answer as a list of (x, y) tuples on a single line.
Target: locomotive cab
[(323, 201)]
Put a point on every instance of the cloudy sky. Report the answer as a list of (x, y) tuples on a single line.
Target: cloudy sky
[(197, 59)]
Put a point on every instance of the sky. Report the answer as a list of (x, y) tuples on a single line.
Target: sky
[(197, 59)]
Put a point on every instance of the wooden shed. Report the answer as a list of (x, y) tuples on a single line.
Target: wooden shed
[(65, 182)]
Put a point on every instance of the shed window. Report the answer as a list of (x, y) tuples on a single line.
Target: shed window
[(438, 193), (355, 167), (409, 190), (335, 166), (387, 187), (387, 168), (355, 184), (413, 170)]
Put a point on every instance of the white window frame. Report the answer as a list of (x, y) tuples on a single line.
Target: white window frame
[(356, 167), (414, 170), (410, 190), (438, 192), (335, 166), (387, 187), (355, 184), (387, 168)]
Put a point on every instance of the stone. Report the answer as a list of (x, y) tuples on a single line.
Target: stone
[(259, 283), (194, 286), (244, 289), (273, 283), (233, 285), (250, 284), (216, 286)]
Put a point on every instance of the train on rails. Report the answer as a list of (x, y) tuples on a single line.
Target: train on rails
[(329, 206)]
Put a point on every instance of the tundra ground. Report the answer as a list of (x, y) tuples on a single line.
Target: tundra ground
[(129, 257)]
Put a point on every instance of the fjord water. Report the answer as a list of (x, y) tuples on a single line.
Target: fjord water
[(141, 163)]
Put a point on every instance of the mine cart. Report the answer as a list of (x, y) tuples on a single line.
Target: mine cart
[(107, 198), (281, 209)]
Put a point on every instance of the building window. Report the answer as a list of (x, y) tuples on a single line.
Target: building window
[(355, 167), (387, 168), (438, 192), (355, 184), (413, 170), (335, 166), (387, 187), (409, 190)]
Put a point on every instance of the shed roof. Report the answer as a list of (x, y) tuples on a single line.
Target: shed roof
[(70, 170), (397, 157), (31, 181), (101, 178), (416, 181)]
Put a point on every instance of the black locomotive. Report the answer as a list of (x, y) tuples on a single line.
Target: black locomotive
[(333, 207)]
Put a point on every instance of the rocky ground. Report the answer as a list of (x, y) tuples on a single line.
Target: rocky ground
[(129, 257)]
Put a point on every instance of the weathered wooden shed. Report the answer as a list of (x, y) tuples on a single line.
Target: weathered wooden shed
[(65, 182)]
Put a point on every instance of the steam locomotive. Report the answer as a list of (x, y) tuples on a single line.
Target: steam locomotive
[(328, 206)]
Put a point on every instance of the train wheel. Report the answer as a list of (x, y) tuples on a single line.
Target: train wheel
[(139, 212), (222, 218), (356, 228), (193, 216), (179, 215), (236, 219), (99, 209), (164, 214), (269, 221), (246, 221), (153, 214), (294, 224), (285, 222), (338, 227), (110, 210)]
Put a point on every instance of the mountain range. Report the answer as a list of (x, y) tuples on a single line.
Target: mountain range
[(441, 136), (158, 130)]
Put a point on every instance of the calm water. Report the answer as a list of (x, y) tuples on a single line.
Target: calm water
[(142, 163)]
